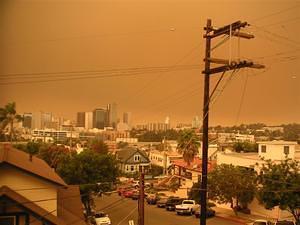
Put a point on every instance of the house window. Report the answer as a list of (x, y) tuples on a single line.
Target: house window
[(136, 158), (132, 168), (127, 168), (286, 150), (7, 220), (263, 149)]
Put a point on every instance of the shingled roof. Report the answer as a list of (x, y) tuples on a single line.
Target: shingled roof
[(125, 154), (32, 165)]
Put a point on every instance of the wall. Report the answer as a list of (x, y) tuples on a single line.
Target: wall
[(17, 179)]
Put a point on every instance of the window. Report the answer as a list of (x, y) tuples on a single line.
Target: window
[(136, 158), (286, 150), (132, 168), (263, 149), (7, 220)]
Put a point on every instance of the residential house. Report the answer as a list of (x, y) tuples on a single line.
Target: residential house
[(163, 158), (275, 151), (32, 193), (189, 174), (132, 159)]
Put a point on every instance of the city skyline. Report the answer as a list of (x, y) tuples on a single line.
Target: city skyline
[(86, 41)]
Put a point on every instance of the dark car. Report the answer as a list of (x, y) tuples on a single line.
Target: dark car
[(161, 203), (172, 202), (136, 195), (209, 212)]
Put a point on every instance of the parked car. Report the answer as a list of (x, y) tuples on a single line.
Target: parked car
[(152, 199), (172, 202), (209, 212), (262, 222), (186, 207), (284, 222), (136, 184), (136, 195), (161, 203), (101, 218), (121, 190), (128, 193)]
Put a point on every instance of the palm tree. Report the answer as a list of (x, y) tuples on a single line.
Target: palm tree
[(8, 115), (188, 144)]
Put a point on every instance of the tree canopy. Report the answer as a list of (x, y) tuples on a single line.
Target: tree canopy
[(279, 185), (8, 116), (231, 184), (188, 144)]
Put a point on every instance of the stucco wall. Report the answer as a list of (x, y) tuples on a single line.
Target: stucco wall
[(17, 179)]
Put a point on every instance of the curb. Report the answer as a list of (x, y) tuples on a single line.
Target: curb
[(237, 220)]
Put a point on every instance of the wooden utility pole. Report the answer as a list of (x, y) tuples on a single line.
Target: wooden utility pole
[(231, 30), (141, 198)]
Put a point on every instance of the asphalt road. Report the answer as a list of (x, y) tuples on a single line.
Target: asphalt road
[(121, 210)]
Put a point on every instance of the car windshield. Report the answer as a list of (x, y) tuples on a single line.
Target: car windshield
[(99, 215), (259, 223), (187, 202)]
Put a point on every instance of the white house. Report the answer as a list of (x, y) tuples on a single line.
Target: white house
[(163, 158), (268, 150)]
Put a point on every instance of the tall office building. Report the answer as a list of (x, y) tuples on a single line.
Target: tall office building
[(112, 115), (27, 120), (99, 118), (80, 121), (196, 122), (88, 123), (127, 118), (46, 119)]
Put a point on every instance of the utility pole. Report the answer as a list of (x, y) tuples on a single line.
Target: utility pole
[(231, 30), (141, 198)]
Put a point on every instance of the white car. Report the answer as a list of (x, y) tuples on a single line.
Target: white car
[(262, 222), (102, 219)]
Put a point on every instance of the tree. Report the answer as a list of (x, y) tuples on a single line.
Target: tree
[(98, 146), (279, 185), (87, 169), (229, 184), (54, 154), (245, 147), (188, 144), (8, 116)]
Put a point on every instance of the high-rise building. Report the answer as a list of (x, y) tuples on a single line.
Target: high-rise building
[(99, 118), (37, 120), (112, 115), (27, 120), (196, 122), (88, 123), (46, 119), (80, 122), (127, 118)]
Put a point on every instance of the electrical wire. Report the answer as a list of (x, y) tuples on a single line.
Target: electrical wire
[(83, 76), (276, 13), (242, 99)]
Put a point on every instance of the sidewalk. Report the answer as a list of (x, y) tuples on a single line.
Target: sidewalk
[(240, 218)]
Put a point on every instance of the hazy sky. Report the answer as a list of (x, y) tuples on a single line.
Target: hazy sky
[(53, 36)]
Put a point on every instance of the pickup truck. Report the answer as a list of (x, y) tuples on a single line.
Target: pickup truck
[(186, 207)]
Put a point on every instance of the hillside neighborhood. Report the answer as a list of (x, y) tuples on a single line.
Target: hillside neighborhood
[(59, 181)]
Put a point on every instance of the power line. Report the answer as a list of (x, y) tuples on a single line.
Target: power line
[(276, 13), (80, 72), (83, 76), (242, 99), (151, 82)]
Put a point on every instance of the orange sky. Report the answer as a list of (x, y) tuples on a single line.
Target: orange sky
[(82, 35)]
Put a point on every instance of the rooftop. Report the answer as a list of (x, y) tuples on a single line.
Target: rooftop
[(278, 142), (33, 165)]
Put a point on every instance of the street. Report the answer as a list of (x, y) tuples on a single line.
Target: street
[(121, 210)]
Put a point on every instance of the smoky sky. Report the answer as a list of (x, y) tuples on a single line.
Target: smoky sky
[(40, 37)]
